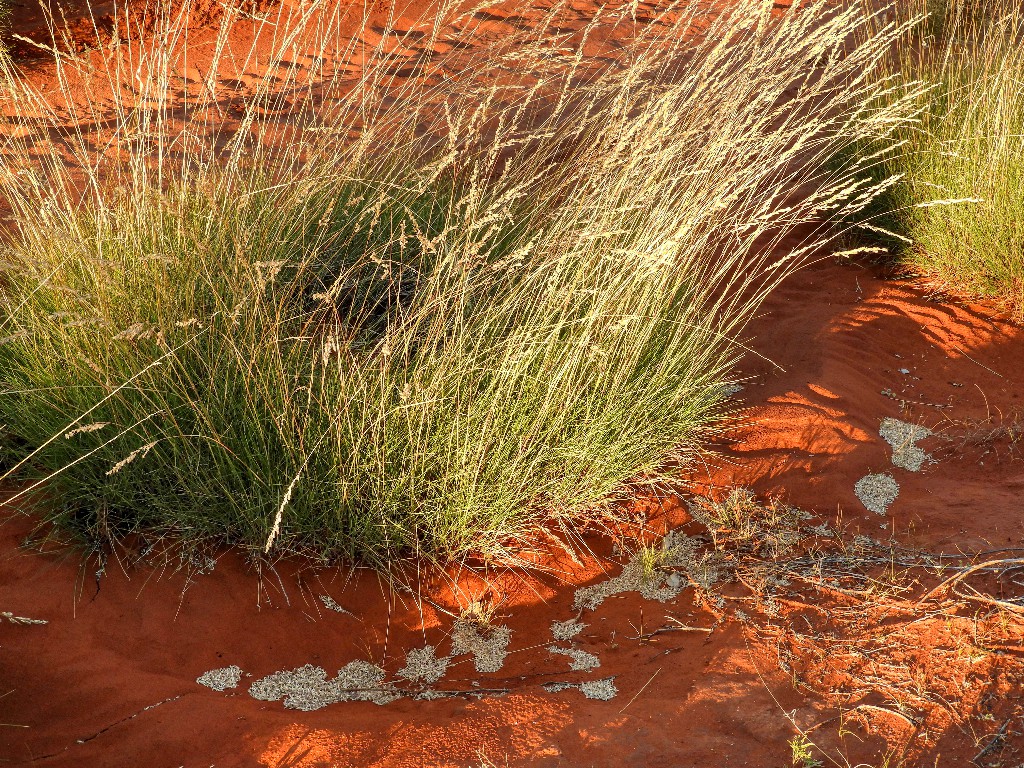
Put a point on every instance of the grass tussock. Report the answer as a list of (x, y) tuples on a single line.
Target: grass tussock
[(957, 216), (356, 317), (5, 26)]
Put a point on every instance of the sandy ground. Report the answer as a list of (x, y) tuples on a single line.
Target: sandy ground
[(110, 679)]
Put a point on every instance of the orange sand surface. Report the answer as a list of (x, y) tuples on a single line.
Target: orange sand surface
[(110, 680)]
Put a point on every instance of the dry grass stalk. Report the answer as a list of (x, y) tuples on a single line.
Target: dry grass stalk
[(878, 630)]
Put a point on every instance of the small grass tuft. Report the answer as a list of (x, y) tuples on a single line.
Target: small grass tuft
[(651, 557), (802, 750)]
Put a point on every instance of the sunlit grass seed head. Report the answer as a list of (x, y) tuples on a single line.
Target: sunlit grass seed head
[(954, 216), (425, 316)]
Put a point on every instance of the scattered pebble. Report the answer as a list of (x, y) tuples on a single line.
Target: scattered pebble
[(221, 679), (566, 630), (877, 492), (581, 660), (489, 645)]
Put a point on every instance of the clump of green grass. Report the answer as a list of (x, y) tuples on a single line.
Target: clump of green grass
[(802, 750), (957, 215), (430, 317), (652, 557)]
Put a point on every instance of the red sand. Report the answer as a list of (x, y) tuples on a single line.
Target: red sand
[(82, 683), (110, 680)]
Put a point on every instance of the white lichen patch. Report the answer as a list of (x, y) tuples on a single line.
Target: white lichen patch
[(332, 604), (221, 679), (308, 688), (903, 437), (431, 694), (558, 687), (363, 681), (677, 550), (423, 666), (581, 660), (823, 531), (566, 630), (489, 645), (601, 690), (877, 492)]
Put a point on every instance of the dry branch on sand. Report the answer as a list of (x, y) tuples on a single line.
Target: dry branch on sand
[(880, 631)]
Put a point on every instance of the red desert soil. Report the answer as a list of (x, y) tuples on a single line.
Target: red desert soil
[(110, 680)]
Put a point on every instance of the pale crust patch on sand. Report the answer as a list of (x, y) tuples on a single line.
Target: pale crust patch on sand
[(600, 690), (566, 630), (423, 666), (489, 645), (678, 550), (581, 661), (903, 437), (308, 687), (221, 679), (877, 492)]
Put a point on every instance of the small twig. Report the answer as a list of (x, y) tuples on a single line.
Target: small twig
[(642, 689), (997, 739), (20, 619), (892, 712), (684, 627), (975, 361), (1005, 605), (988, 565)]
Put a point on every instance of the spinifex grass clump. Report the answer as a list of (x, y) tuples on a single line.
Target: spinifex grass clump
[(5, 21), (957, 215), (429, 316)]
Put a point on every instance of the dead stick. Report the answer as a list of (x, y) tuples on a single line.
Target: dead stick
[(641, 690)]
